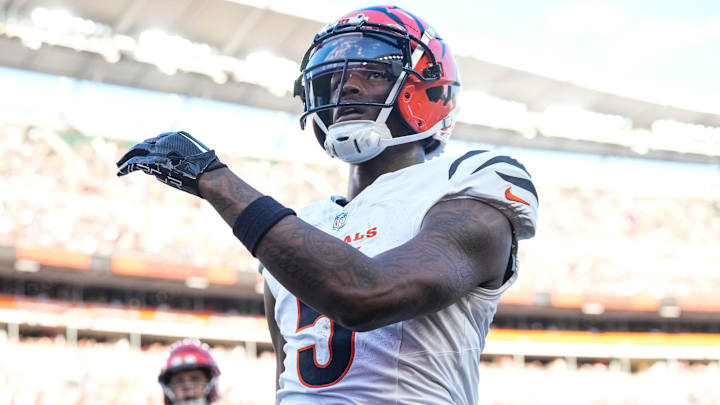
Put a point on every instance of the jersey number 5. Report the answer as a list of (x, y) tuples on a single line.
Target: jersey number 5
[(341, 346)]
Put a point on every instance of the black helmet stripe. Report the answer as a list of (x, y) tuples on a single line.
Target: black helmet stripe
[(387, 13), (420, 25)]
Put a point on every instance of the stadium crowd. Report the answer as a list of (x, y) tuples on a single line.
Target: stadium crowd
[(64, 194), (60, 191), (609, 242), (45, 371)]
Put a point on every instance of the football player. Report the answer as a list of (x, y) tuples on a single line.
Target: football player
[(189, 375), (384, 296)]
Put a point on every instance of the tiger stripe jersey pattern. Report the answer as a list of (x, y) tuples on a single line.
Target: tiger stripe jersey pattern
[(431, 359)]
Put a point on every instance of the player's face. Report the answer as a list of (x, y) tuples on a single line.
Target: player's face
[(188, 384), (361, 85)]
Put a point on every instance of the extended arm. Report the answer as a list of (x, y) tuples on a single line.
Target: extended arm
[(463, 243)]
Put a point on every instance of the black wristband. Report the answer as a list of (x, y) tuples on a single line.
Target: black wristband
[(256, 219)]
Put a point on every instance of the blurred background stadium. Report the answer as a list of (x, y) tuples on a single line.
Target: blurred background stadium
[(617, 301)]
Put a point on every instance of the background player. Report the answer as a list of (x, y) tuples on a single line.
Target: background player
[(190, 374), (386, 295)]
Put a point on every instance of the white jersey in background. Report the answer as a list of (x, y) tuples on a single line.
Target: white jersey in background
[(430, 359)]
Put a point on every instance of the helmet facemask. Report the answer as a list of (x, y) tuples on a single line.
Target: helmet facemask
[(353, 120)]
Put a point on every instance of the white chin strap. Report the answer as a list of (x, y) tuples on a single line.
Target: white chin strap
[(358, 141)]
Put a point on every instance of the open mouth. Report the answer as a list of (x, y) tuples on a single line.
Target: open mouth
[(349, 113)]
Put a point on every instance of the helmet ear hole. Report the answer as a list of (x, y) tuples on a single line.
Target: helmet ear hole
[(434, 94)]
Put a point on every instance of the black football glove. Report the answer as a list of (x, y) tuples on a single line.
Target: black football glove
[(175, 158)]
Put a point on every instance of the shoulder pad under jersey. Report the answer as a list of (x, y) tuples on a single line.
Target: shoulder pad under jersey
[(500, 181)]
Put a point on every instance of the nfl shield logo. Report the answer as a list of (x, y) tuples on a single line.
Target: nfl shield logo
[(339, 220)]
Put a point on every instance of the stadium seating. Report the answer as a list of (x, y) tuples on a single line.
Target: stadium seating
[(65, 195)]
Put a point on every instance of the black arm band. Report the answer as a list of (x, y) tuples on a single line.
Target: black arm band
[(256, 219)]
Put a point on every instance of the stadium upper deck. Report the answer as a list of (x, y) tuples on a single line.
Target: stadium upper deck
[(210, 49)]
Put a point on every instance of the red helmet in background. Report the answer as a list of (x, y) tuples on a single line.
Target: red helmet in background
[(190, 354), (409, 53)]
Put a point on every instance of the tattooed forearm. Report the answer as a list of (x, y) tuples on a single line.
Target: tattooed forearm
[(227, 193), (320, 269), (463, 243)]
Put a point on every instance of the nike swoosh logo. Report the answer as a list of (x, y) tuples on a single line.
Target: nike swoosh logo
[(512, 197)]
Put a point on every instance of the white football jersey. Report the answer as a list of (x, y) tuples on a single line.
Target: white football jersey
[(431, 359)]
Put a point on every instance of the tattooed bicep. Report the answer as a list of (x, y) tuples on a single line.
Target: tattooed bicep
[(475, 231)]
